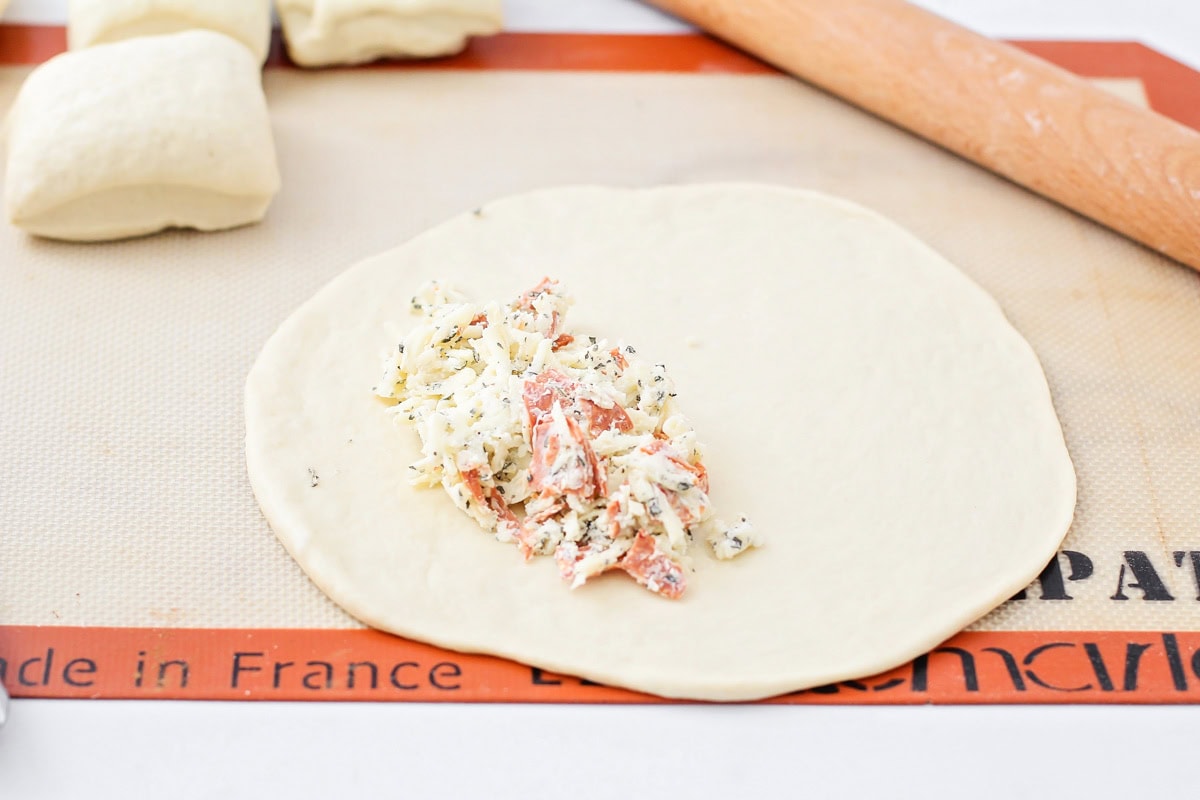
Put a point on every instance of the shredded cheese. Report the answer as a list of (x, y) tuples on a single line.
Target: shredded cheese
[(566, 445)]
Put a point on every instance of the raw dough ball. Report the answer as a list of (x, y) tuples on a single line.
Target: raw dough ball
[(91, 22), (864, 402), (129, 138), (322, 32)]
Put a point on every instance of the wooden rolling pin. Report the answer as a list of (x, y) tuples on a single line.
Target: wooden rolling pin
[(1130, 169)]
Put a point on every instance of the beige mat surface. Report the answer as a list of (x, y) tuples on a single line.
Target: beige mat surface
[(123, 498)]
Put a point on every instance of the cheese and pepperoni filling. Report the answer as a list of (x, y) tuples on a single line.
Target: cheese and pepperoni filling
[(566, 445)]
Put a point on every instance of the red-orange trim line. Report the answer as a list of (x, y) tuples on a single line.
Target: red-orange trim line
[(1173, 88), (230, 664)]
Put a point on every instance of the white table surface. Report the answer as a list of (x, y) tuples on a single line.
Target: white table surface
[(124, 749)]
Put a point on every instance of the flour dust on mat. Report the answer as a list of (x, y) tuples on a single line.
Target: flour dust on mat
[(865, 403)]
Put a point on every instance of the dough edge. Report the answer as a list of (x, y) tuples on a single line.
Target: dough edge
[(82, 219)]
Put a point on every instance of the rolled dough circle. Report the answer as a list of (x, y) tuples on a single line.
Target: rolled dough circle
[(866, 404)]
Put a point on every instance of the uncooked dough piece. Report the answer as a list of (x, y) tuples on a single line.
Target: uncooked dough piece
[(323, 32), (129, 138), (91, 22), (889, 432)]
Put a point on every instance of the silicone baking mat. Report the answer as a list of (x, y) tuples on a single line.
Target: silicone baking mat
[(134, 561)]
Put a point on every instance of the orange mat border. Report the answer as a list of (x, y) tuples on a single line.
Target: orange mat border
[(289, 664), (1173, 88), (999, 667)]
